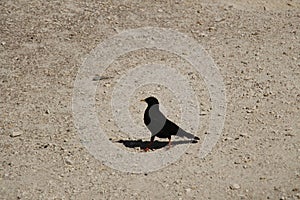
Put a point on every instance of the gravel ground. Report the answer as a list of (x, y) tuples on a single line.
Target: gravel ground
[(256, 45)]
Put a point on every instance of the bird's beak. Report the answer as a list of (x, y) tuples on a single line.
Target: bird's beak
[(143, 100)]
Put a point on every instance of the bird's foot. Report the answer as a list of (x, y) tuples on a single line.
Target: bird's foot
[(147, 149), (168, 147), (169, 144)]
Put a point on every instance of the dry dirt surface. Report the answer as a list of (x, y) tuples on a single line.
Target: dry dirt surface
[(256, 46)]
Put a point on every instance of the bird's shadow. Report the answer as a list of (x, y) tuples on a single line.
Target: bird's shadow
[(156, 144)]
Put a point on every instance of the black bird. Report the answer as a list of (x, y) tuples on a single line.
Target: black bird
[(159, 125)]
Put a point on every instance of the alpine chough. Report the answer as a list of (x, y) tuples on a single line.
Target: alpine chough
[(159, 125)]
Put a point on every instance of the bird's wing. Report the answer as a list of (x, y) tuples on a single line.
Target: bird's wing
[(157, 120)]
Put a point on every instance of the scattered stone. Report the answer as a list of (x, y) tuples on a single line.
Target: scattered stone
[(289, 134), (227, 138), (203, 34), (244, 135), (98, 78), (16, 133), (211, 28), (68, 161), (235, 186), (188, 190), (116, 29), (203, 113), (249, 111), (219, 19)]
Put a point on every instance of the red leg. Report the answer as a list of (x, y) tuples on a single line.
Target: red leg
[(150, 144), (169, 144)]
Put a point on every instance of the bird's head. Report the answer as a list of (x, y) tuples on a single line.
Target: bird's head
[(150, 101)]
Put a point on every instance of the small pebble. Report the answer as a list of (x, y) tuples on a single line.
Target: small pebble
[(219, 19), (203, 113), (203, 35), (187, 190), (227, 138), (98, 78), (68, 161), (235, 186), (244, 135), (16, 133)]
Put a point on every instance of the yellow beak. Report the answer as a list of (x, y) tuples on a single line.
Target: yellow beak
[(143, 100)]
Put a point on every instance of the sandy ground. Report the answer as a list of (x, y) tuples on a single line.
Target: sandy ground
[(256, 45)]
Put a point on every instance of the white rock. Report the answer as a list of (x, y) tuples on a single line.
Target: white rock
[(68, 161), (16, 133), (235, 186), (187, 190)]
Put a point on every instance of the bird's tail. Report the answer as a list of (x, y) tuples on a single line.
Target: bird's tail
[(182, 133)]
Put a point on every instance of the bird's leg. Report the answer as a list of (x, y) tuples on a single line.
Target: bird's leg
[(150, 144), (169, 144)]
